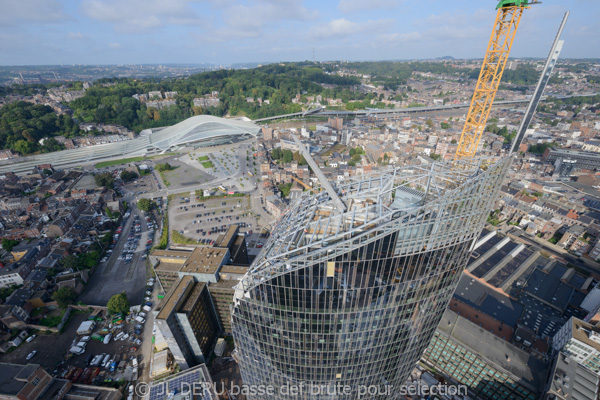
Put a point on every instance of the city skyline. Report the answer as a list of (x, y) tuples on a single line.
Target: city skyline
[(225, 32)]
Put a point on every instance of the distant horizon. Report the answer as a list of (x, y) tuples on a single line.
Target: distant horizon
[(259, 63)]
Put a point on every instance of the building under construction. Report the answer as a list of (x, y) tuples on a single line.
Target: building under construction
[(350, 292)]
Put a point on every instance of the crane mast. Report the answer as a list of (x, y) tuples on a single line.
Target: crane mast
[(506, 25)]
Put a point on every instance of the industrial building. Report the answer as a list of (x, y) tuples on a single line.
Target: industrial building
[(565, 161), (490, 366), (511, 303)]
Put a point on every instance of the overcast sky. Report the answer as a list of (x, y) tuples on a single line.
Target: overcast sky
[(231, 31)]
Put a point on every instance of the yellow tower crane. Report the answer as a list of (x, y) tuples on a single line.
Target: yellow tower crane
[(307, 187), (506, 25)]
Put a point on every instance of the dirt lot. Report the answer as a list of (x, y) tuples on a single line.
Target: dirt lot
[(183, 175)]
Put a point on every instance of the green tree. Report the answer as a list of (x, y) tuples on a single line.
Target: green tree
[(145, 204), (8, 244), (127, 175), (118, 303), (7, 291), (51, 145), (64, 296), (540, 148), (104, 179), (288, 156), (429, 122), (445, 125), (71, 262), (285, 189), (276, 153), (23, 147), (163, 167), (299, 158)]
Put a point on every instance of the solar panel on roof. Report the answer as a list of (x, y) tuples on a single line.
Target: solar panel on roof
[(184, 382), (158, 392)]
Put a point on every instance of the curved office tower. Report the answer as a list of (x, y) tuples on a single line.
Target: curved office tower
[(349, 289)]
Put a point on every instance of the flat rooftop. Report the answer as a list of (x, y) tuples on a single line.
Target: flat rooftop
[(183, 254), (549, 288), (226, 239), (584, 332), (55, 387), (205, 260), (182, 384), (172, 299), (529, 369), (233, 269), (224, 284), (193, 297), (488, 300), (168, 267), (9, 373)]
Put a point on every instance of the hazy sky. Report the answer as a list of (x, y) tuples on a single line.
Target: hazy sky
[(230, 31)]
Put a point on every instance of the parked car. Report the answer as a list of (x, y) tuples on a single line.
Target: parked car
[(30, 355), (88, 359), (30, 338)]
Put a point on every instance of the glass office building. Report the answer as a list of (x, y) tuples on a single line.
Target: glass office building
[(348, 292)]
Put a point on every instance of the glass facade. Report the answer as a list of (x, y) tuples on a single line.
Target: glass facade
[(482, 378), (345, 300)]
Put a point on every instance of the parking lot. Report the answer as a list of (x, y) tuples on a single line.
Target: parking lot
[(125, 267), (204, 220), (53, 351)]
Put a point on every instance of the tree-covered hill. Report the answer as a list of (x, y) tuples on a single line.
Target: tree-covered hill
[(23, 124)]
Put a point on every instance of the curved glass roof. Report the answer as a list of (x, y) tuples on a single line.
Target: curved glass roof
[(201, 128)]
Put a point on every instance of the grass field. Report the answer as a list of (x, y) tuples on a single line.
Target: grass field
[(177, 237), (164, 178), (110, 163), (338, 147), (162, 155), (203, 158), (207, 164)]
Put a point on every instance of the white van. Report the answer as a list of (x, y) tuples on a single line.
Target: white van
[(96, 360), (77, 350), (107, 338), (105, 360)]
